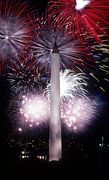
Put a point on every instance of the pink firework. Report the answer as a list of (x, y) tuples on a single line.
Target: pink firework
[(77, 115), (15, 27), (81, 17), (34, 110)]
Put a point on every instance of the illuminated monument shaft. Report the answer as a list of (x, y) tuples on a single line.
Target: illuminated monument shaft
[(55, 144)]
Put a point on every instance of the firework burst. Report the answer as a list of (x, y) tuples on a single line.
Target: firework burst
[(86, 58), (28, 111), (70, 51), (34, 110), (79, 114), (81, 17), (24, 74), (15, 29), (71, 85)]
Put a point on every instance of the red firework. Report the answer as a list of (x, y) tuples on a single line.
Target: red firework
[(91, 19)]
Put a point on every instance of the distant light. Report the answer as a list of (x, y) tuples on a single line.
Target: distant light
[(102, 138), (80, 4), (41, 157), (25, 157), (20, 129), (23, 152)]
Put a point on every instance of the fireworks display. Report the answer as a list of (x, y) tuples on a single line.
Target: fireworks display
[(71, 85), (70, 51), (54, 66), (77, 115), (86, 58), (15, 29), (80, 17), (100, 72), (34, 110), (24, 74)]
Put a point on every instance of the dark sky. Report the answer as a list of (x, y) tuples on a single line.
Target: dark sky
[(40, 4)]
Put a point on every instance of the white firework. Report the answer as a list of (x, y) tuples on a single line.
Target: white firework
[(81, 4), (34, 110), (71, 85), (79, 114), (15, 29), (70, 51), (13, 37)]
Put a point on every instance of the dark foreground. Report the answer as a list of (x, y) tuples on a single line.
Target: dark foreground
[(75, 169)]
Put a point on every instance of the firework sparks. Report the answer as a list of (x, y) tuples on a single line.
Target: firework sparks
[(28, 111), (86, 58), (101, 75), (15, 29), (70, 51), (52, 47), (24, 74), (34, 110), (81, 17), (79, 114), (71, 85)]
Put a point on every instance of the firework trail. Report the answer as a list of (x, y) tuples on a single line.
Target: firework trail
[(80, 17), (24, 74), (72, 85), (70, 51), (100, 76), (87, 58), (52, 48)]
